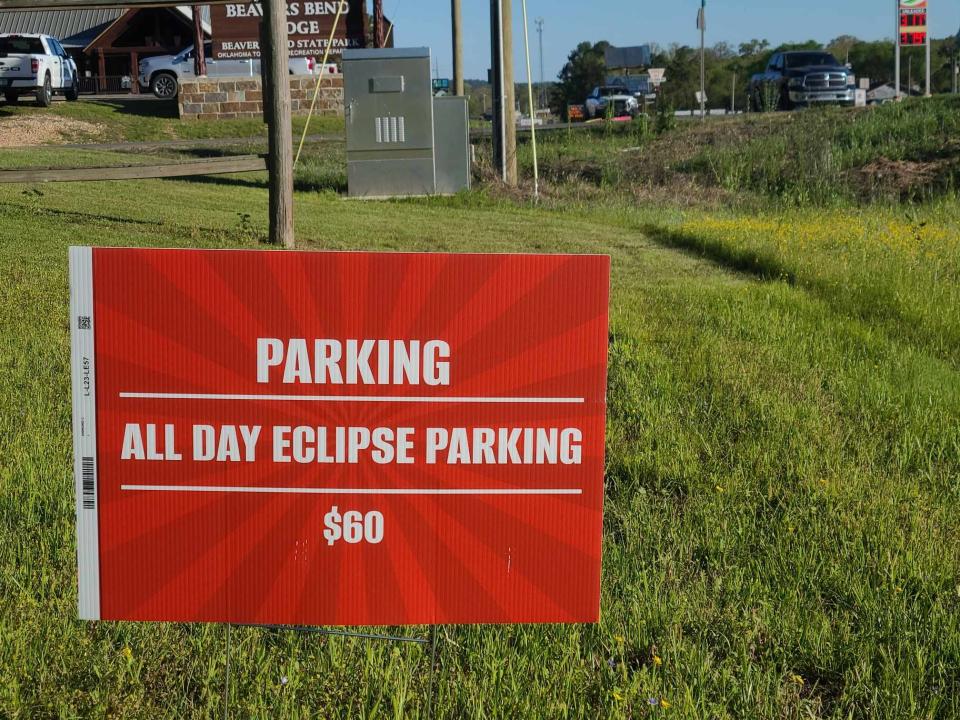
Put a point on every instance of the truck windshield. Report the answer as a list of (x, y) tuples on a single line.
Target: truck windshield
[(795, 60), (21, 45)]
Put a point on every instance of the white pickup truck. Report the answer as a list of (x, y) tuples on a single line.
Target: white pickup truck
[(162, 74), (36, 65)]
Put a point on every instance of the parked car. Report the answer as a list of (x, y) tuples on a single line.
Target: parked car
[(802, 77), (616, 97), (36, 65), (162, 74)]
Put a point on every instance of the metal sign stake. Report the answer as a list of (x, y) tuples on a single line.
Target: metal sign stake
[(226, 679), (431, 640)]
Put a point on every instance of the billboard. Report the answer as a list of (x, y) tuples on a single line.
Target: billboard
[(913, 22), (236, 28), (336, 438), (622, 58)]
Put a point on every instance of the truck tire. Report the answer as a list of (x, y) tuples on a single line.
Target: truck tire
[(45, 92), (72, 92), (785, 103), (11, 98), (164, 85)]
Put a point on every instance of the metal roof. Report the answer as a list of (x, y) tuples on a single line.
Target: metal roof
[(73, 28), (77, 28)]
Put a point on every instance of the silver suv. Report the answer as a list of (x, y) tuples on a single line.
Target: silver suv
[(162, 74)]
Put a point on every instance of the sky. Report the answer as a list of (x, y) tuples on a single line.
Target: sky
[(636, 22)]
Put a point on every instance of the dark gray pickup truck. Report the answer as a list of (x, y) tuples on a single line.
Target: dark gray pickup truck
[(801, 77)]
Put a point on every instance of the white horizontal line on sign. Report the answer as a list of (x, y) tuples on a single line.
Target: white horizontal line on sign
[(355, 398), (355, 491)]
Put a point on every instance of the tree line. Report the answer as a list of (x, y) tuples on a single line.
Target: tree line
[(728, 69)]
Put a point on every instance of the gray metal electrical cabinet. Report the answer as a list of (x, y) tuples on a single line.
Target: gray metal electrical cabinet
[(451, 132), (388, 107)]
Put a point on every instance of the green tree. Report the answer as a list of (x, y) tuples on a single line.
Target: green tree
[(873, 60), (682, 76), (947, 51), (753, 47), (584, 70), (840, 46)]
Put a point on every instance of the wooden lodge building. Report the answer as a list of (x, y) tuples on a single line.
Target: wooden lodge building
[(108, 44)]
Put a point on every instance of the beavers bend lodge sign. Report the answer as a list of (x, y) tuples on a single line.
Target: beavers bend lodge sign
[(338, 438), (236, 28)]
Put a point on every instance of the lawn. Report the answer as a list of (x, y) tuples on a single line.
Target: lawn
[(127, 119), (783, 463)]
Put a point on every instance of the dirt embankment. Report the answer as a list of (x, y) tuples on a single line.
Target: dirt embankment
[(30, 130)]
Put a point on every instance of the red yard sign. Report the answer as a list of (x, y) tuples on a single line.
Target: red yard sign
[(338, 438)]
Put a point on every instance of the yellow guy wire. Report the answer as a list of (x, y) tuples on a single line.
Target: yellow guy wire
[(386, 37), (316, 90), (533, 113)]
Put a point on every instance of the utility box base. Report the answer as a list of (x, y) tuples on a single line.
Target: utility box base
[(379, 178)]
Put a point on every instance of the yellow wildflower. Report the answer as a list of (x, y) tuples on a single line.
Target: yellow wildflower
[(664, 703), (657, 660)]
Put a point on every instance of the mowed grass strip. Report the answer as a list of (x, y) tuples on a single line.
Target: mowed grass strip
[(782, 480), (147, 119)]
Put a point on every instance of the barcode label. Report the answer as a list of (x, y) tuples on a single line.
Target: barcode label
[(83, 379), (87, 477)]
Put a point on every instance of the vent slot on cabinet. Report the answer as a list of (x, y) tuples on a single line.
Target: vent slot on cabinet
[(390, 129)]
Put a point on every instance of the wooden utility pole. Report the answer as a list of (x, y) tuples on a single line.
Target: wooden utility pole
[(275, 69), (496, 73), (509, 93), (199, 57), (456, 25), (379, 40)]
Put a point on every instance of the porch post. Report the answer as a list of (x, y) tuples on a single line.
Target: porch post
[(134, 73), (101, 70)]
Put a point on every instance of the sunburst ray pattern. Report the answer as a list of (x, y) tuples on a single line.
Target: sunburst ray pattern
[(243, 541)]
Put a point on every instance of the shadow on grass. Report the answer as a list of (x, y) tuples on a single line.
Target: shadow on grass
[(300, 184), (308, 177), (757, 263), (877, 304), (139, 106), (223, 180)]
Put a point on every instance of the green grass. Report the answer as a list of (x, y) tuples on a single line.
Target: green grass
[(44, 156), (782, 485), (812, 154), (132, 120), (827, 156)]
